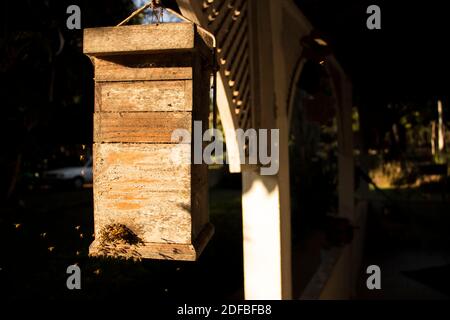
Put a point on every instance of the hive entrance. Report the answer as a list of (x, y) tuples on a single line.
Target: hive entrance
[(117, 240)]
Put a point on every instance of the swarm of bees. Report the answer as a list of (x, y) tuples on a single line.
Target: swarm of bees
[(118, 241)]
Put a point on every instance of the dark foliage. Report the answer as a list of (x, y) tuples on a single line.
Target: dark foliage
[(47, 95)]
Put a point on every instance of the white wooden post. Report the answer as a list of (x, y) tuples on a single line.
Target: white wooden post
[(266, 199), (266, 253)]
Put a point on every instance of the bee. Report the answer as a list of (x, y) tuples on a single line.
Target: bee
[(157, 11)]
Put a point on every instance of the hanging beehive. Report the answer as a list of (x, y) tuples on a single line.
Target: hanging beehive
[(149, 81)]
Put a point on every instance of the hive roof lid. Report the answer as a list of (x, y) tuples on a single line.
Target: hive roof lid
[(140, 39)]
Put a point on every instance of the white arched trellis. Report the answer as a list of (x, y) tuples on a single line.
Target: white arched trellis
[(259, 45)]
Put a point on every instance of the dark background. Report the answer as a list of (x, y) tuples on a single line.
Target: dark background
[(46, 102), (406, 59)]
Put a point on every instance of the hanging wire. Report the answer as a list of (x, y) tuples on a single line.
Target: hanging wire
[(156, 7)]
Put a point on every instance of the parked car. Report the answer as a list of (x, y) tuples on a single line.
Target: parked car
[(74, 176)]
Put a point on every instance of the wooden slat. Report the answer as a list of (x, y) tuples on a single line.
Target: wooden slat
[(227, 15), (245, 94), (242, 70), (138, 127), (243, 81), (137, 185), (231, 43), (242, 89), (247, 123), (143, 96), (242, 84), (226, 39), (143, 67), (139, 38), (221, 8), (245, 108), (232, 57), (240, 55), (215, 4), (224, 28)]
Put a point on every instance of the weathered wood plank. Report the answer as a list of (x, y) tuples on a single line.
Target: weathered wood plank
[(144, 96), (139, 38), (151, 127), (143, 67), (139, 186)]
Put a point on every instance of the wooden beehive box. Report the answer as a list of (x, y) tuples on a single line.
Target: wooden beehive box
[(149, 81)]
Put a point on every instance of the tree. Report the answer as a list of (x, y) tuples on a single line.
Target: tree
[(47, 94)]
